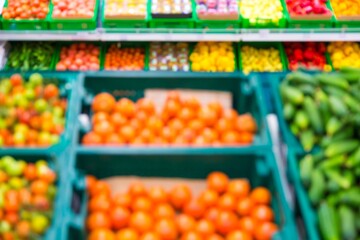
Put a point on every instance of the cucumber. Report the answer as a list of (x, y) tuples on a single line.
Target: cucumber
[(333, 187), (313, 114), (328, 222), (306, 167), (347, 223), (336, 161), (318, 156), (333, 125), (301, 77), (333, 80), (307, 140), (331, 90), (344, 134), (354, 159), (301, 119), (292, 94), (337, 106), (353, 70), (352, 103), (351, 77), (344, 147), (343, 181), (294, 129), (350, 196), (307, 89), (317, 187), (289, 111)]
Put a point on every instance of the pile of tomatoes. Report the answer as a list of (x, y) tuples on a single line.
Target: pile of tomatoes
[(79, 57), (226, 209), (33, 113), (179, 122), (27, 192), (128, 59), (73, 9), (26, 9)]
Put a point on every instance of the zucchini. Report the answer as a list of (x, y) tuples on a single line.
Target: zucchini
[(292, 94), (301, 77)]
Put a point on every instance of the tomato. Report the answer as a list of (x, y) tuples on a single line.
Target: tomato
[(146, 105), (137, 189), (238, 235), (51, 91), (114, 140), (205, 228), (142, 204), (239, 188), (16, 80), (100, 187), (217, 181), (118, 120), (126, 107), (40, 202), (91, 138), (100, 117), (101, 234), (103, 128), (265, 231), (227, 202), (215, 237), (262, 213), (11, 217), (261, 195), (119, 217), (180, 195), (39, 187), (122, 200), (226, 222), (30, 172), (212, 214), (248, 225), (141, 222), (194, 208), (164, 210), (230, 137), (244, 207), (246, 123), (155, 124), (209, 197), (99, 203), (127, 234), (90, 182), (23, 229), (191, 236), (185, 223), (150, 236), (127, 133), (166, 228), (208, 116), (103, 102), (172, 107), (157, 194), (98, 220)]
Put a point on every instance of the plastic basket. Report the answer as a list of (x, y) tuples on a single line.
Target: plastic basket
[(246, 97), (275, 45), (72, 23), (216, 24), (144, 45), (56, 163), (260, 169), (25, 24), (68, 87), (266, 23)]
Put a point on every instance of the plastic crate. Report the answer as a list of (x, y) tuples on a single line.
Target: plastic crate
[(276, 45), (51, 67), (246, 97), (56, 163), (144, 45), (122, 23), (266, 23), (306, 210), (216, 24), (68, 87), (260, 169), (345, 23), (25, 24), (73, 23)]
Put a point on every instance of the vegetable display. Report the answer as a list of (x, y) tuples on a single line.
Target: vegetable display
[(227, 209), (344, 54), (27, 192), (260, 12), (125, 9), (300, 8), (70, 9), (179, 122), (26, 9), (217, 10), (124, 58), (31, 56), (346, 8), (32, 112)]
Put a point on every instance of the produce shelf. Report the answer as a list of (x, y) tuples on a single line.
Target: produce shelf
[(175, 35)]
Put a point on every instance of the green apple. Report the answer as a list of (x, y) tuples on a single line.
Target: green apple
[(36, 79)]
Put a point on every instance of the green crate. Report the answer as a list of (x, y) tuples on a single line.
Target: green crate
[(266, 23), (69, 85), (63, 44), (260, 169), (144, 45), (313, 23), (306, 210), (341, 23), (171, 22), (276, 45), (217, 24), (123, 23), (51, 67), (74, 24), (246, 93), (25, 24), (56, 163)]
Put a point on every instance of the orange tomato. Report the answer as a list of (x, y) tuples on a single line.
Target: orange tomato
[(208, 116), (122, 200), (248, 225), (99, 203), (164, 210), (157, 194), (137, 189), (215, 237), (146, 105), (191, 236), (90, 182), (244, 206), (101, 234), (142, 204), (100, 117), (166, 228), (238, 235), (226, 222), (212, 214), (227, 202), (97, 220), (103, 102), (150, 236), (185, 223), (119, 217), (141, 222), (117, 120), (194, 208), (127, 234), (265, 231), (39, 187), (209, 198), (103, 128), (205, 228), (262, 213), (261, 195), (30, 172), (246, 123), (114, 140), (126, 107), (99, 188), (51, 91), (92, 138), (239, 188), (217, 181), (180, 195), (23, 229)]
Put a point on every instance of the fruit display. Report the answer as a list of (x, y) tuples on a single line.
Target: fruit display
[(322, 107), (217, 9), (73, 9), (226, 209), (344, 54), (27, 192), (308, 55), (213, 57), (262, 59), (262, 12), (31, 56), (171, 9), (183, 122), (125, 9), (124, 58), (25, 9), (79, 57), (32, 112), (309, 8), (346, 8), (169, 57)]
